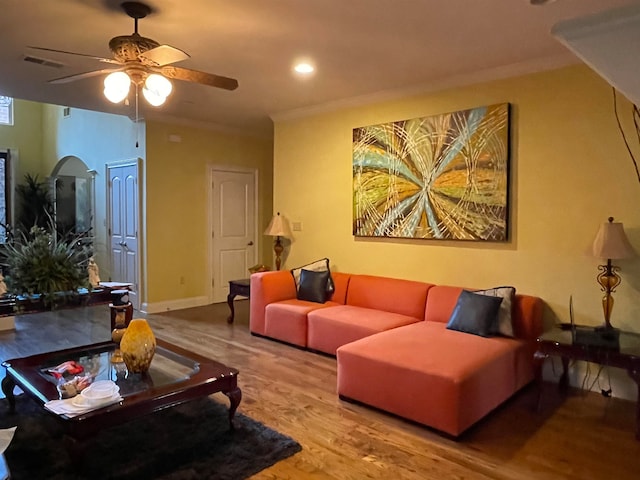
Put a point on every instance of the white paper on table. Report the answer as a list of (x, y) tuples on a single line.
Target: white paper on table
[(68, 408), (6, 435)]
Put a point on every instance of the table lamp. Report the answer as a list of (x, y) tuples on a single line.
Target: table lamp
[(278, 227), (611, 243)]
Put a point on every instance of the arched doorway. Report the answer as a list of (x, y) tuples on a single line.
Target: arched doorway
[(72, 192)]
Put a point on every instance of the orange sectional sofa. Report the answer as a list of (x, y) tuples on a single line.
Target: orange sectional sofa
[(393, 349)]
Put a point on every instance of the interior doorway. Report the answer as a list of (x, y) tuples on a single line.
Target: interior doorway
[(123, 226), (233, 221), (72, 194)]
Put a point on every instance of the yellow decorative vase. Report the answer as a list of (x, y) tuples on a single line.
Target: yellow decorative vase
[(138, 345)]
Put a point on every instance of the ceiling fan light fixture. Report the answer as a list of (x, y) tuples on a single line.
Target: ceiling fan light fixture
[(116, 86), (156, 89)]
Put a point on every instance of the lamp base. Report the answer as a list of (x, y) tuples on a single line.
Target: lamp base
[(278, 248)]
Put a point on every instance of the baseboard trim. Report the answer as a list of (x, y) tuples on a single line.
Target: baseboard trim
[(178, 304)]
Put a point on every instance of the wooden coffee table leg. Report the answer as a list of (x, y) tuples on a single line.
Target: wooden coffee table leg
[(7, 388), (234, 398)]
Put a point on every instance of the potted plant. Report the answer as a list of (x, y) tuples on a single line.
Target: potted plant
[(42, 267), (45, 269)]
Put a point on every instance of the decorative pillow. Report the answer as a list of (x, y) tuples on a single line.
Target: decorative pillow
[(505, 324), (321, 265), (476, 314), (313, 286)]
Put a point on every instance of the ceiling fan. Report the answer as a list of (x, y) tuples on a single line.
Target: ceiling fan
[(143, 62)]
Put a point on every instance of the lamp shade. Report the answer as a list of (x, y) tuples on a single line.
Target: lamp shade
[(611, 242), (278, 227)]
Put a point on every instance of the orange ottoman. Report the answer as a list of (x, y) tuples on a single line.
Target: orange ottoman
[(442, 378)]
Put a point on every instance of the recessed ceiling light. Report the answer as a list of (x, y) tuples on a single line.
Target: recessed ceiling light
[(304, 68)]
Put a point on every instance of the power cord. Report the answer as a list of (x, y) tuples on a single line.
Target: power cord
[(636, 123), (606, 393)]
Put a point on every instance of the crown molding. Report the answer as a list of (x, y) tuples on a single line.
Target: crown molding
[(214, 127), (454, 81)]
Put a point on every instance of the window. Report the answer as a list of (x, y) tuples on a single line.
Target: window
[(4, 195), (6, 110)]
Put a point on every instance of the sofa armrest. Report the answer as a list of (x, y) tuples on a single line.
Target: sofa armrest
[(266, 288), (527, 318)]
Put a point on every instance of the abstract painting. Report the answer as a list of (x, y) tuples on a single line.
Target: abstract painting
[(439, 177)]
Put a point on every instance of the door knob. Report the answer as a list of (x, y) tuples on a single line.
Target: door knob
[(250, 243)]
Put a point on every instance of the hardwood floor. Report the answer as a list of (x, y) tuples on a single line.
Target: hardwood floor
[(581, 436)]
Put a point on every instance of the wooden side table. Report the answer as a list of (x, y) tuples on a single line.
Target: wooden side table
[(625, 353), (237, 287)]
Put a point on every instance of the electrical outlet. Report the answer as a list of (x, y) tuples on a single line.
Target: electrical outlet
[(297, 226), (181, 280)]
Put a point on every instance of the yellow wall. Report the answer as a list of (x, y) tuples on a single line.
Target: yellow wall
[(25, 137), (569, 172), (177, 203)]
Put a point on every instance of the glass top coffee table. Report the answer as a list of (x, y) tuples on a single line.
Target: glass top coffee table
[(176, 376)]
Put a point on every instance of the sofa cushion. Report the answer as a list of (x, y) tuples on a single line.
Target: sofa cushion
[(505, 325), (405, 297), (435, 376), (329, 328), (287, 320), (440, 303), (341, 282), (313, 286), (476, 314)]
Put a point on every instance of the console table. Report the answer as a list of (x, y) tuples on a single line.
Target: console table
[(625, 353), (237, 287)]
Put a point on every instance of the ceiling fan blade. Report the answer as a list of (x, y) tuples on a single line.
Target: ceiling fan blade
[(196, 76), (106, 60), (79, 76), (164, 55)]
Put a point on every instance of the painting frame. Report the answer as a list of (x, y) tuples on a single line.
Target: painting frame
[(438, 177)]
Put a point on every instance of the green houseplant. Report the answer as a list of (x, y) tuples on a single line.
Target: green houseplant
[(35, 207), (41, 266)]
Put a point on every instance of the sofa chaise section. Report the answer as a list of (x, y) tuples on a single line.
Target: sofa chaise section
[(438, 377)]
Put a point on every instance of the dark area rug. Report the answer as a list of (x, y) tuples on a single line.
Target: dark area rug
[(190, 441)]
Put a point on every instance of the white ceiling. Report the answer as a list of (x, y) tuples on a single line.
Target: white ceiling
[(362, 48)]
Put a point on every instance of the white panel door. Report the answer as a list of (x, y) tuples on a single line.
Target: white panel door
[(234, 231), (123, 228)]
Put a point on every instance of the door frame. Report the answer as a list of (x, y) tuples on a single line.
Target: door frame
[(211, 170), (137, 162)]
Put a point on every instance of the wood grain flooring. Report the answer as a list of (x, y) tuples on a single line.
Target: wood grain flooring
[(580, 436)]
